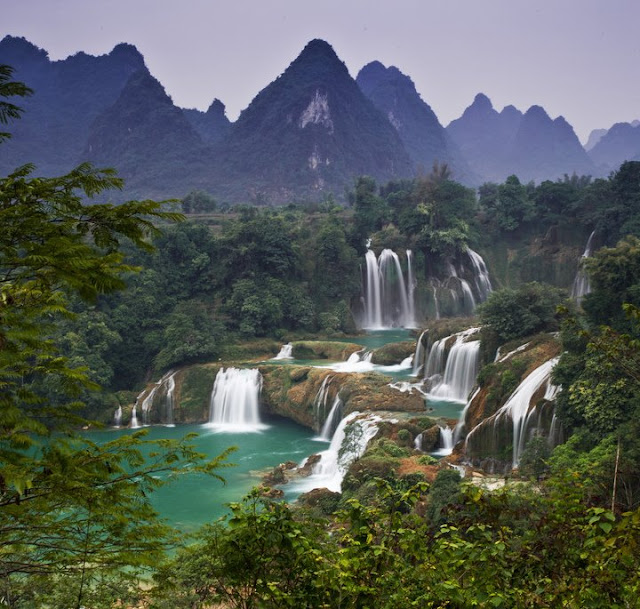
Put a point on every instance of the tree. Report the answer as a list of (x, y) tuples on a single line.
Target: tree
[(71, 512), (513, 313)]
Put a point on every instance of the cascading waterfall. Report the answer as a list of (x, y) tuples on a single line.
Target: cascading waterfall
[(388, 299), (481, 274), (436, 360), (519, 410), (329, 472), (460, 426), (411, 289), (286, 352), (235, 400), (446, 442), (117, 417), (333, 419), (460, 370), (581, 284), (320, 401), (171, 387), (453, 294), (147, 403), (134, 417), (418, 356)]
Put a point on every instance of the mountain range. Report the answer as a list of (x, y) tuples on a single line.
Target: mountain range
[(306, 135)]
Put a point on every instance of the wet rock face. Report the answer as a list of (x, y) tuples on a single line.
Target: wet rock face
[(292, 391)]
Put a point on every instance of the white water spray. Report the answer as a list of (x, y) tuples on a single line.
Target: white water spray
[(235, 401), (286, 352)]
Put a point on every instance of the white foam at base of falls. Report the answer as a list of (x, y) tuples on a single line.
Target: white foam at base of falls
[(446, 442), (357, 429), (361, 362)]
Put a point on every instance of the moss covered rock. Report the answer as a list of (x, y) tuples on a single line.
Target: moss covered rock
[(393, 353), (323, 349)]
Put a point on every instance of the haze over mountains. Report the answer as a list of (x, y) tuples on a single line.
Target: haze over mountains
[(306, 135)]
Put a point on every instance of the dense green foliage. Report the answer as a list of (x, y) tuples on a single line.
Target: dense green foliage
[(505, 549), (74, 516), (76, 525)]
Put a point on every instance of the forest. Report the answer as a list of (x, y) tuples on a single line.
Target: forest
[(97, 299)]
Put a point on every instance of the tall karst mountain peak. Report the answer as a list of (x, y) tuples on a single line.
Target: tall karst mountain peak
[(424, 138), (68, 95), (321, 128), (531, 145), (147, 137)]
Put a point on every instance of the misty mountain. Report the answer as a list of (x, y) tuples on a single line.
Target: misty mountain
[(213, 125), (546, 149), (149, 140), (618, 144), (531, 145), (308, 133), (594, 137), (68, 96), (424, 138), (485, 137)]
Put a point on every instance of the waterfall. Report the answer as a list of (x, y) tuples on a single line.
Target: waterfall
[(134, 417), (446, 442), (418, 356), (417, 443), (147, 403), (117, 417), (581, 284), (347, 444), (481, 274), (517, 407), (171, 387), (388, 300), (333, 419), (235, 399), (411, 288), (436, 360), (460, 426), (320, 401), (460, 370), (469, 302), (285, 353)]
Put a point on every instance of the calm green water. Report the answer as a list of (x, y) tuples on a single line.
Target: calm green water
[(378, 338), (194, 500), (442, 408)]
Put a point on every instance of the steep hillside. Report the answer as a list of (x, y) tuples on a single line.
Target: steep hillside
[(424, 138), (68, 96), (148, 139), (309, 133)]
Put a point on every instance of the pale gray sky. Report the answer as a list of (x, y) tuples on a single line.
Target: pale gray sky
[(577, 58)]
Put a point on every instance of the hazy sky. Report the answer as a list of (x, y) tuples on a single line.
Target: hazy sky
[(577, 58)]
